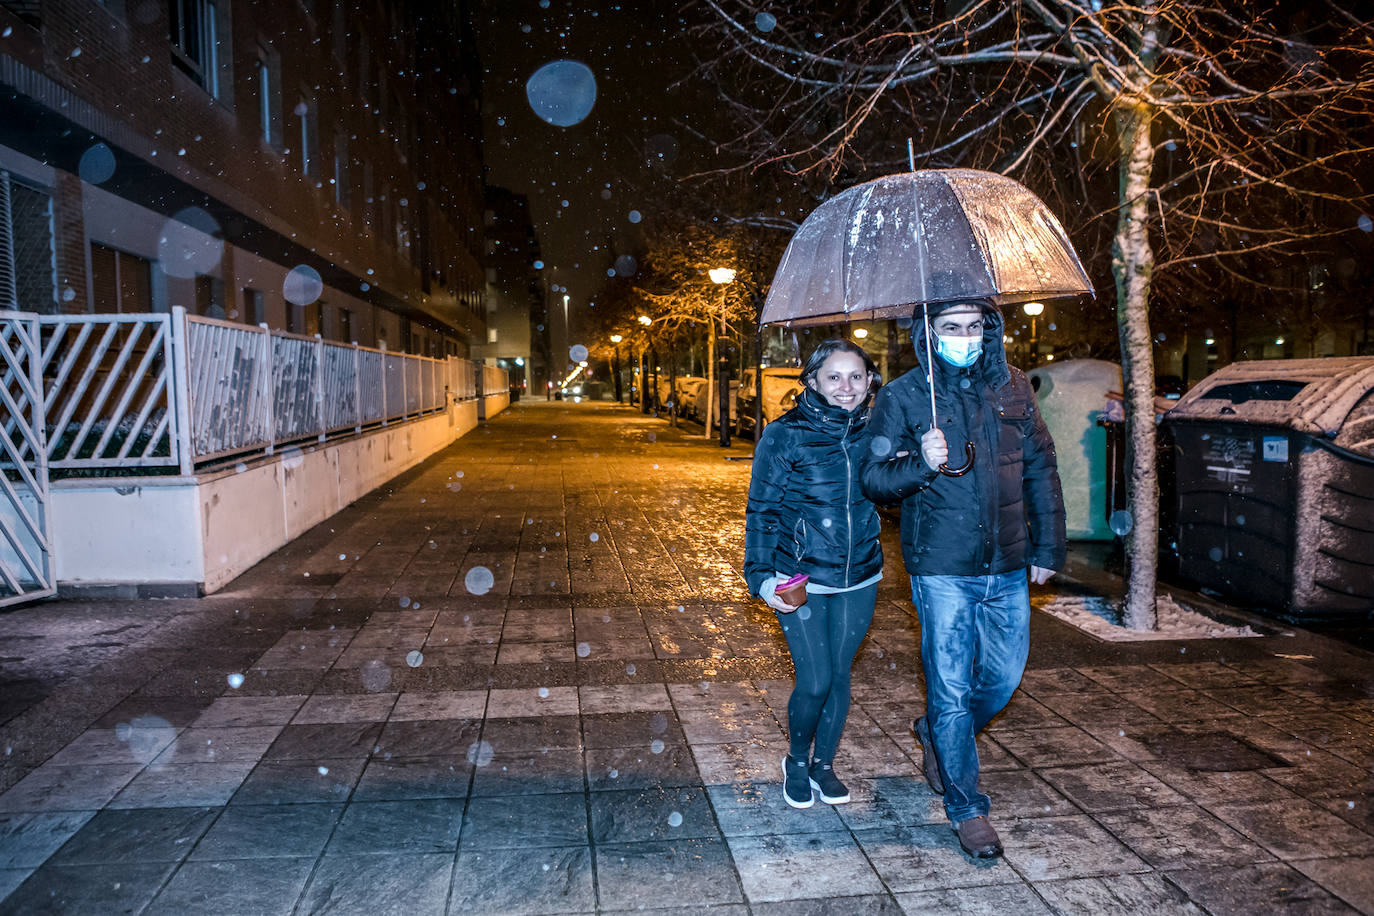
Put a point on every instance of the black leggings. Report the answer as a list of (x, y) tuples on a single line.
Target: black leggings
[(823, 637)]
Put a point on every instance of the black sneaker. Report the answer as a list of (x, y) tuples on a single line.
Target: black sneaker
[(823, 780), (796, 784)]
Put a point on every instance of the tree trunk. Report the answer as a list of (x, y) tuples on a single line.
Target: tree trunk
[(710, 375), (1132, 266), (672, 384), (653, 365), (644, 399)]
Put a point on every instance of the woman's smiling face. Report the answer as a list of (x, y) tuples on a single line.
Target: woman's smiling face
[(843, 380)]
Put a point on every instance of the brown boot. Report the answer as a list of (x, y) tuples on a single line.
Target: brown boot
[(978, 838), (930, 766)]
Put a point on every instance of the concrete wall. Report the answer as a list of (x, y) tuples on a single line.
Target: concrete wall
[(493, 404), (189, 534)]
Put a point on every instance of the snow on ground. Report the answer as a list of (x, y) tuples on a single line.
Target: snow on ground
[(1098, 616)]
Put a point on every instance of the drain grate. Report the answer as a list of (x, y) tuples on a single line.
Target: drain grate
[(1216, 752)]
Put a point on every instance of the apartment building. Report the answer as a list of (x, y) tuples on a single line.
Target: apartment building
[(312, 166)]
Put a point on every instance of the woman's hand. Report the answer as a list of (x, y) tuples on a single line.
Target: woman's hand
[(768, 591)]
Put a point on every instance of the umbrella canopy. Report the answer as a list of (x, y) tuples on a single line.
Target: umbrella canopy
[(934, 235)]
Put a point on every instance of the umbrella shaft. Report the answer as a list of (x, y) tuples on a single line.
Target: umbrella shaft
[(930, 361)]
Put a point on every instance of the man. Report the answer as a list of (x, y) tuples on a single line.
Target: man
[(967, 540)]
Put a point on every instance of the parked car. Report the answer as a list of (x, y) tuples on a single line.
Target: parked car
[(699, 402), (665, 392), (688, 388), (781, 385)]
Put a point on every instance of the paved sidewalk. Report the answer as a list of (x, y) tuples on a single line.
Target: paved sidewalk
[(525, 677)]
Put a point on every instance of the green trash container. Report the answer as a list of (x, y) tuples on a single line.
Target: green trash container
[(1272, 501)]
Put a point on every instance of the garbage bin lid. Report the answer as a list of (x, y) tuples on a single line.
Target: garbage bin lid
[(1308, 395)]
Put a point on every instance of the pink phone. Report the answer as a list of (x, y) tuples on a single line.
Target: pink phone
[(793, 591)]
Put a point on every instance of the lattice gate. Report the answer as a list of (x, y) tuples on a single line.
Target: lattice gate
[(26, 560)]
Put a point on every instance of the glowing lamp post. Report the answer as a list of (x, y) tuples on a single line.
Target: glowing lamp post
[(616, 339), (1033, 310), (644, 399)]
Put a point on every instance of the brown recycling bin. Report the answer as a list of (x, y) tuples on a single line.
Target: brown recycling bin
[(1273, 496)]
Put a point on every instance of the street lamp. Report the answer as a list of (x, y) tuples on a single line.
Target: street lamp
[(721, 276), (645, 400), (616, 339), (1034, 310), (567, 331)]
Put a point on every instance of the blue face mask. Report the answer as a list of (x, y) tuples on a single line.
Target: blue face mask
[(959, 351)]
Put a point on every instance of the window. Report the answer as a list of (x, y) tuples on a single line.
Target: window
[(364, 69), (341, 194), (403, 229), (26, 10), (28, 258), (387, 222), (367, 194), (192, 28), (303, 319), (120, 282), (305, 111), (209, 297), (254, 310), (339, 32), (269, 97), (346, 325)]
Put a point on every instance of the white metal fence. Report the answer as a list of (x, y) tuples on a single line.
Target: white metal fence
[(178, 391)]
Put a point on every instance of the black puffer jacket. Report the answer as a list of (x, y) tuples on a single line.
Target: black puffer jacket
[(807, 512), (1008, 512)]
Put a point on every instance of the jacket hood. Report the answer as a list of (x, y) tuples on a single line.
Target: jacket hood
[(991, 365), (822, 415)]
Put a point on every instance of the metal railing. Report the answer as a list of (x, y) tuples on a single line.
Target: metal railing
[(107, 391), (179, 391)]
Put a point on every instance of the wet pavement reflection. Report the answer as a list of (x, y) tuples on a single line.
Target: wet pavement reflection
[(526, 677)]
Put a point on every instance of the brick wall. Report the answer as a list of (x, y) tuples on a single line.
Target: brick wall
[(121, 64)]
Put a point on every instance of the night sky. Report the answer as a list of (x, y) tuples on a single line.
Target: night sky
[(591, 185)]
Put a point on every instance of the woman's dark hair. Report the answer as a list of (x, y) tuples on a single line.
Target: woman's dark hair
[(829, 348)]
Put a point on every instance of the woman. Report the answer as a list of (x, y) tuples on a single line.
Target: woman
[(807, 514)]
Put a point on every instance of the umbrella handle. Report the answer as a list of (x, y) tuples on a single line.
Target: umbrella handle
[(968, 465)]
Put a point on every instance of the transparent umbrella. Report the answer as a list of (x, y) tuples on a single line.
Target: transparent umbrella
[(879, 249)]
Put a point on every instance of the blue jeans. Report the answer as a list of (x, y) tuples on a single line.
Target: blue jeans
[(975, 635)]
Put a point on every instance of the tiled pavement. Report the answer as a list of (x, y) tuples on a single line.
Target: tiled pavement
[(525, 678)]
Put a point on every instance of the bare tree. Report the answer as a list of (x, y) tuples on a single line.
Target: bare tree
[(673, 290), (1232, 131)]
